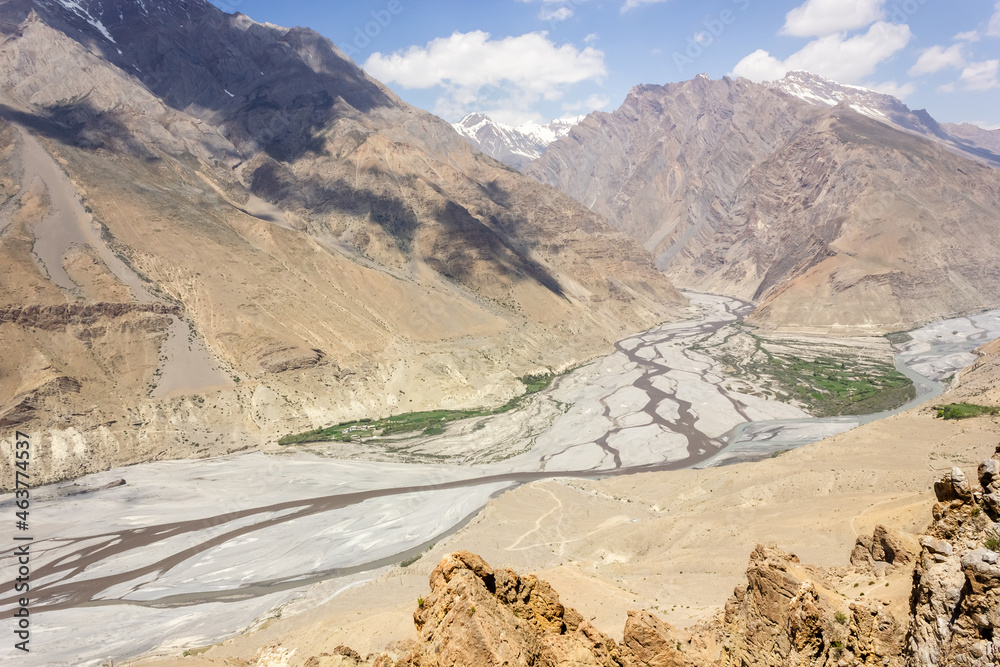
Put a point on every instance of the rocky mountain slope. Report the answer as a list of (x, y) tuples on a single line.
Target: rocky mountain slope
[(974, 135), (219, 232), (886, 109), (514, 146), (827, 217)]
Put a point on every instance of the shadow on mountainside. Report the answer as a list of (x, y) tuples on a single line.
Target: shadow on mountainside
[(459, 253), (470, 240), (271, 89), (80, 125)]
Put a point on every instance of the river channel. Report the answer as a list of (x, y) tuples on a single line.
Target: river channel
[(189, 552)]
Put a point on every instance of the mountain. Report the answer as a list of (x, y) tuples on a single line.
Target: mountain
[(216, 232), (514, 146), (879, 106), (828, 218), (974, 136)]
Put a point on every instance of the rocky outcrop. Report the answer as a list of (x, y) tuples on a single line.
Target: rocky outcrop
[(880, 551), (789, 615), (956, 592), (477, 616), (62, 316), (653, 643)]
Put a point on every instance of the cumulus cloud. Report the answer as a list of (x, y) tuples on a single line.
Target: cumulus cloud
[(817, 18), (836, 56), (897, 90), (760, 66), (981, 76), (555, 13), (937, 58), (969, 36), (476, 72), (593, 102), (993, 28)]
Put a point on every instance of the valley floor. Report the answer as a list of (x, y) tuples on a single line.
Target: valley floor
[(187, 553), (675, 543)]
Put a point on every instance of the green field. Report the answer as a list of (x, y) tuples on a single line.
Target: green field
[(432, 422), (831, 386), (964, 410), (828, 379)]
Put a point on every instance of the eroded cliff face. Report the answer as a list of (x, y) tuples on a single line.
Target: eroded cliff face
[(475, 615), (792, 614), (956, 592), (825, 216), (325, 251), (940, 606)]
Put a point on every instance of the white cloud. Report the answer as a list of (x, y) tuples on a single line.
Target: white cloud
[(632, 4), (981, 76), (557, 14), (993, 29), (593, 102), (511, 117), (477, 72), (897, 90), (473, 59), (555, 10), (838, 57), (937, 58), (970, 36), (817, 18), (760, 66)]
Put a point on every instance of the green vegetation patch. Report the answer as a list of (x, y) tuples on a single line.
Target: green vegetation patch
[(830, 386), (432, 422), (964, 410), (828, 379)]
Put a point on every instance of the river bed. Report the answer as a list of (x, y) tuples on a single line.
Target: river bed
[(187, 553)]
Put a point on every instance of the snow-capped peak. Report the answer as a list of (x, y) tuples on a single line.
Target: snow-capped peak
[(517, 145), (819, 90), (882, 107)]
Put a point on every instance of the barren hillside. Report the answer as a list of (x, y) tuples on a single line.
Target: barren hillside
[(830, 219), (195, 195)]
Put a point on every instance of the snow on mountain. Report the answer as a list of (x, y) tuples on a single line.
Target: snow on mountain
[(514, 146), (819, 90), (882, 107), (82, 12)]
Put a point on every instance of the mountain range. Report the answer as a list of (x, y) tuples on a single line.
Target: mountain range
[(514, 146), (212, 224), (216, 232), (834, 207), (176, 174)]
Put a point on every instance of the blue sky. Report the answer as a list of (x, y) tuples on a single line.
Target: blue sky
[(541, 59)]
